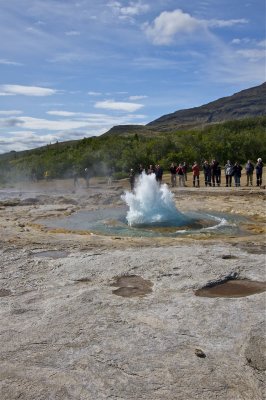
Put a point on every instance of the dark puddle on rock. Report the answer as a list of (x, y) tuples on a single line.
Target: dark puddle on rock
[(132, 286), (51, 254), (232, 288), (5, 292), (229, 257), (82, 280)]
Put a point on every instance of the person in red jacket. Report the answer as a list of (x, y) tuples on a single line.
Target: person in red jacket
[(196, 173)]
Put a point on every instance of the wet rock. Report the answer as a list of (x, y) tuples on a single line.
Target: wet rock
[(199, 353)]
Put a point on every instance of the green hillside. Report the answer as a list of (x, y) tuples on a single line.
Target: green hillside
[(236, 140)]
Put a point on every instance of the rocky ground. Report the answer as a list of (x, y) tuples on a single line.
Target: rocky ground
[(93, 317)]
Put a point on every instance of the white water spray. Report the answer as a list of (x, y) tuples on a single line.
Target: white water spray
[(152, 204)]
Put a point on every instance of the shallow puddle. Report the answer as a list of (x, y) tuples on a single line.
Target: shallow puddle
[(132, 286), (232, 288), (51, 254)]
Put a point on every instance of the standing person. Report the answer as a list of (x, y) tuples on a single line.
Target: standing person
[(141, 169), (159, 173), (214, 166), (47, 175), (132, 179), (151, 170), (259, 169), (87, 176), (181, 175), (196, 173), (228, 169), (218, 174), (75, 176), (249, 172), (172, 170), (207, 173), (237, 173), (110, 176), (185, 168)]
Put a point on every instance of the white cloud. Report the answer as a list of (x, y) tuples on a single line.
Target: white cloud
[(40, 123), (61, 113), (69, 57), (137, 97), (248, 41), (78, 121), (236, 41), (26, 90), (8, 62), (94, 93), (168, 24), (10, 112), (221, 23), (88, 116), (72, 33), (254, 50), (6, 94), (134, 8), (25, 140), (165, 28), (252, 54), (262, 43), (24, 134), (6, 122), (33, 132), (116, 105)]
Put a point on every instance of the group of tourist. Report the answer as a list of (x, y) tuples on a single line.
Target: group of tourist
[(212, 172)]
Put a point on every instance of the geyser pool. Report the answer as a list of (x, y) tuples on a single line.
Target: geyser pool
[(149, 211)]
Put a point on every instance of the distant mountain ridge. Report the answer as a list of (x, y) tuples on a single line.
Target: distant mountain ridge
[(248, 103)]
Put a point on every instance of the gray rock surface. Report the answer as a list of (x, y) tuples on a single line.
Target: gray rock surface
[(65, 334)]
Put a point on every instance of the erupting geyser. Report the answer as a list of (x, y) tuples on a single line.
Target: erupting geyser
[(152, 204), (151, 213)]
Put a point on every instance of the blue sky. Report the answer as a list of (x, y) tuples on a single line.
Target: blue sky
[(75, 68)]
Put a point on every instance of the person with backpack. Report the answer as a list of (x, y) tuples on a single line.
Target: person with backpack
[(228, 169), (249, 172)]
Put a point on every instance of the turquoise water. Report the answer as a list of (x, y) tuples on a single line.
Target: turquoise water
[(113, 221)]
